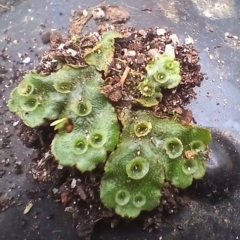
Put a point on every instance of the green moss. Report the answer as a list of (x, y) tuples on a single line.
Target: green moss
[(35, 99)]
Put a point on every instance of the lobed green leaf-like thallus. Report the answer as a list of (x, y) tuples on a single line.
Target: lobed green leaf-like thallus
[(102, 54), (73, 94), (150, 150), (162, 72)]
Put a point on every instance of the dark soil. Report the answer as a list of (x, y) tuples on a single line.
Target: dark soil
[(78, 192)]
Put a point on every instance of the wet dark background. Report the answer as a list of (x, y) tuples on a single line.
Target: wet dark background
[(214, 212)]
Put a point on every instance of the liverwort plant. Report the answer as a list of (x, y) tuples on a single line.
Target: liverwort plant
[(139, 150), (70, 94), (142, 162), (162, 72)]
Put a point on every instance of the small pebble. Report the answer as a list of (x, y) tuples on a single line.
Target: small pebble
[(98, 13), (140, 58), (26, 60), (72, 52), (142, 32), (153, 53), (161, 31), (15, 123), (85, 13), (55, 190), (132, 53), (174, 39), (61, 46), (189, 40), (28, 208), (211, 56), (169, 49), (118, 66), (59, 167), (73, 183), (46, 38), (227, 34)]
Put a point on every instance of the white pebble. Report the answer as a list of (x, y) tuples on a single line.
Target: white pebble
[(59, 166), (61, 46), (72, 52), (26, 60), (227, 34), (85, 13), (189, 40), (174, 39), (161, 31), (130, 53), (73, 183), (15, 123), (169, 49), (211, 56), (98, 13)]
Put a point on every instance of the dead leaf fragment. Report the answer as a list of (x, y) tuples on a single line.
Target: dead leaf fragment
[(28, 208), (116, 14), (189, 154)]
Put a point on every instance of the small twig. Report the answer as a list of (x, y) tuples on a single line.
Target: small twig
[(98, 219), (121, 60), (134, 73), (125, 74), (115, 70), (5, 7)]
